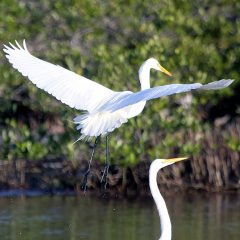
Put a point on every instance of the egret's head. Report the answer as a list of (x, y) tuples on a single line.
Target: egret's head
[(170, 161), (153, 63)]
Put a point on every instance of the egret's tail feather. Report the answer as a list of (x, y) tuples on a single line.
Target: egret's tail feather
[(101, 123)]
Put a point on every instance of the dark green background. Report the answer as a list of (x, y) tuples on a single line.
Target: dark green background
[(198, 41)]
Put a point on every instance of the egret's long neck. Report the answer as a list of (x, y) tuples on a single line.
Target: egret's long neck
[(144, 76), (166, 229)]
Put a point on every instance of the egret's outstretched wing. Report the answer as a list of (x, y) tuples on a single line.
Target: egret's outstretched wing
[(161, 91), (68, 87)]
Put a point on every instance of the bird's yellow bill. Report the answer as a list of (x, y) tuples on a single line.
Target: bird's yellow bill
[(173, 160), (162, 69)]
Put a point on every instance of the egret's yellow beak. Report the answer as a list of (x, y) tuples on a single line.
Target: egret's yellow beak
[(162, 69), (173, 160)]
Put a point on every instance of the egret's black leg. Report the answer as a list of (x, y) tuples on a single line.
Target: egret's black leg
[(89, 164), (106, 167)]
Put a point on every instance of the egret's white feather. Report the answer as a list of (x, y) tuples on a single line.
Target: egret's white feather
[(99, 123), (68, 87)]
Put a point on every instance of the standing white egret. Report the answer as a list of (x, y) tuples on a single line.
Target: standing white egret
[(105, 109), (165, 222)]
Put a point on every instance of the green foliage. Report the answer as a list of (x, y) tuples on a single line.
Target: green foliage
[(107, 41)]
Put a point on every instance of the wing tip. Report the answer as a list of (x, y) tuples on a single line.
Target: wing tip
[(229, 81), (226, 82), (17, 47), (220, 84)]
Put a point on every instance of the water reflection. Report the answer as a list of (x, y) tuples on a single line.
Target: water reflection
[(193, 216)]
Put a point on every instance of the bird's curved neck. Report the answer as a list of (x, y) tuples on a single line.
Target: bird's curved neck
[(144, 76), (166, 231)]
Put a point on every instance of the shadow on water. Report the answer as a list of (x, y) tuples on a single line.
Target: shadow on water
[(194, 216)]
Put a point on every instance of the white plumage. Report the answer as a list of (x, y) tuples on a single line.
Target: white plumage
[(106, 109)]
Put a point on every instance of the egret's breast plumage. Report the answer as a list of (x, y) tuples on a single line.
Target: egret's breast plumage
[(136, 109)]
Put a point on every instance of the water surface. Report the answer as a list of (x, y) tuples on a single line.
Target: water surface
[(198, 216)]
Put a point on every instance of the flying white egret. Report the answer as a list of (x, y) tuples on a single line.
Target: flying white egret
[(165, 222), (105, 109)]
